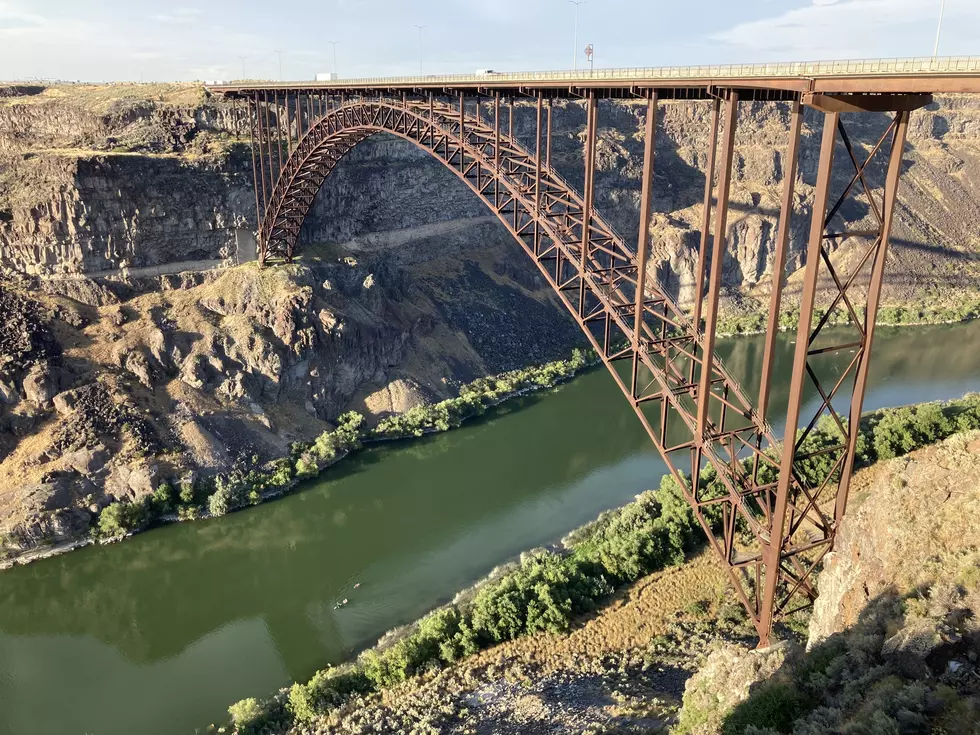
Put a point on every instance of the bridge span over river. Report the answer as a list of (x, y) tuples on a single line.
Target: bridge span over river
[(783, 498)]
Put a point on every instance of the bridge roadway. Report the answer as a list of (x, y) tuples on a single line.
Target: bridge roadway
[(789, 496), (923, 75)]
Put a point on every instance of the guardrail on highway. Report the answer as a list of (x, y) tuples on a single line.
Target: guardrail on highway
[(859, 67)]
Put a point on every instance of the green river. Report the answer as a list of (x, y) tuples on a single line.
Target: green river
[(161, 633)]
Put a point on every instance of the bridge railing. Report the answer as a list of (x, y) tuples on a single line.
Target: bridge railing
[(856, 67)]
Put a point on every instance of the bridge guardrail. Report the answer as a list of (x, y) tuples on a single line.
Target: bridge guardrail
[(859, 67)]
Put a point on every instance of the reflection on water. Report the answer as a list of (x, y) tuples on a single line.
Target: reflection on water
[(161, 633)]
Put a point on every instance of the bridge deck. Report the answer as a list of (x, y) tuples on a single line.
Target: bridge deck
[(914, 75)]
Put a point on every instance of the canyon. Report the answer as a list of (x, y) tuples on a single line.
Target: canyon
[(142, 345)]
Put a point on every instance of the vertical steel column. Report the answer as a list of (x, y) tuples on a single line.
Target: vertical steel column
[(510, 118), (590, 130), (279, 132), (772, 551), (432, 121), (268, 138), (717, 262), (252, 118), (537, 174), (496, 148), (643, 242), (547, 159), (871, 313), (289, 125), (537, 155), (462, 126), (709, 183), (779, 256), (299, 120)]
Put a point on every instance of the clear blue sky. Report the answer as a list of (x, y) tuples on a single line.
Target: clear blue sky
[(167, 40)]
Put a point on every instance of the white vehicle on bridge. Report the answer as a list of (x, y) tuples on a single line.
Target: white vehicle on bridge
[(485, 72)]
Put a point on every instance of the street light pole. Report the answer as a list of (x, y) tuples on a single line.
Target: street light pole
[(576, 3), (334, 44), (421, 49), (243, 67), (939, 30)]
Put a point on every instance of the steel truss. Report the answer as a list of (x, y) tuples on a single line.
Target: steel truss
[(768, 518)]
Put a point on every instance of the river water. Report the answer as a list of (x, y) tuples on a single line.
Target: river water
[(161, 633)]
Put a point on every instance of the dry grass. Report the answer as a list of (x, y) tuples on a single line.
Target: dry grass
[(98, 98)]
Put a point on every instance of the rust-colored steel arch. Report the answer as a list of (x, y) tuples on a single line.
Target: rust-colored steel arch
[(769, 525)]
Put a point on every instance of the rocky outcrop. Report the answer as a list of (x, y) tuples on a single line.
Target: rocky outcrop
[(910, 527), (121, 397), (724, 680), (894, 642)]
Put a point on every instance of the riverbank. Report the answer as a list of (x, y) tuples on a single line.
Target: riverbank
[(888, 316), (551, 590), (249, 484)]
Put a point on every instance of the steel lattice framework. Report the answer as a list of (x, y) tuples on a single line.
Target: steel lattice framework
[(754, 492)]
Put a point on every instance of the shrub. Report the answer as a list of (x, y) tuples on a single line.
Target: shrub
[(302, 703), (452, 632), (121, 518), (187, 493), (541, 595), (328, 446), (775, 705), (162, 501), (247, 715)]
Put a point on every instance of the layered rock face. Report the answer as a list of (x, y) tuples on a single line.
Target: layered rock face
[(170, 183)]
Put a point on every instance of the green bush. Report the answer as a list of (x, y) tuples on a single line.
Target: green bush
[(162, 501), (187, 494), (650, 533), (302, 703), (541, 595), (121, 518), (247, 715), (775, 705), (474, 398), (328, 446)]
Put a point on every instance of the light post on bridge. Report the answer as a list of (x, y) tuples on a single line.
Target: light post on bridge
[(939, 30), (576, 3), (421, 49), (334, 44)]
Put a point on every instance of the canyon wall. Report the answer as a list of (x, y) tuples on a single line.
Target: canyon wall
[(88, 185)]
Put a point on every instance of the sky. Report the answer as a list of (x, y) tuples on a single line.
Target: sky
[(164, 40)]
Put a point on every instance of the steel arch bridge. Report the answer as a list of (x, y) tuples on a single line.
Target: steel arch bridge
[(773, 522)]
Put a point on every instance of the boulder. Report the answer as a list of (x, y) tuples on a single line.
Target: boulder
[(134, 483), (66, 402), (8, 394), (143, 481), (87, 461), (40, 385)]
